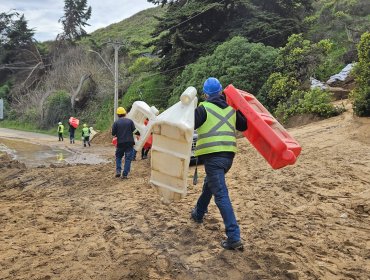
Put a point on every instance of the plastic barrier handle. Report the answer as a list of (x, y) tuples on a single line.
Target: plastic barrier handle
[(289, 156), (268, 119)]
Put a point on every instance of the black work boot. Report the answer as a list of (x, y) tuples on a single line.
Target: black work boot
[(194, 216), (236, 245)]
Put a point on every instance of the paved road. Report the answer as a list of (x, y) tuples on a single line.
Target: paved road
[(36, 149)]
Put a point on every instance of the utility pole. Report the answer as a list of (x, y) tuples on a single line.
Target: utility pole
[(116, 45)]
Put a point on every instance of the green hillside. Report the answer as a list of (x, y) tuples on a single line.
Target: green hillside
[(136, 30), (269, 50)]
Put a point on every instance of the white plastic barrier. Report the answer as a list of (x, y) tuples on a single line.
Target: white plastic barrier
[(139, 112), (171, 149), (92, 132)]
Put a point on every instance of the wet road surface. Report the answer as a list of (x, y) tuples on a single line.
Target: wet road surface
[(36, 149)]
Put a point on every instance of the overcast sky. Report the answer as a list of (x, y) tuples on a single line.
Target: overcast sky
[(43, 15)]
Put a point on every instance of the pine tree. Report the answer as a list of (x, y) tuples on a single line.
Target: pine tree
[(193, 28), (76, 15), (14, 35)]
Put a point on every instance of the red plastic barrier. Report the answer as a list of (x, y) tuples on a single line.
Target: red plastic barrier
[(114, 141), (148, 143), (264, 132), (74, 122)]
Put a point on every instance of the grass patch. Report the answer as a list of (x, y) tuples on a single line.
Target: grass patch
[(31, 127)]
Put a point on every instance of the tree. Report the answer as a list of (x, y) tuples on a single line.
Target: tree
[(194, 28), (19, 55), (76, 15), (246, 65), (14, 35), (299, 57), (287, 91), (361, 94)]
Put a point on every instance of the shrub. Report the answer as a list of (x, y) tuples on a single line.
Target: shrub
[(150, 89), (361, 94), (316, 102), (31, 115), (331, 64), (245, 65), (57, 108), (277, 89), (299, 57), (143, 64)]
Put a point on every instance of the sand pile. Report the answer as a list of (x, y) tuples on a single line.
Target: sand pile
[(307, 221)]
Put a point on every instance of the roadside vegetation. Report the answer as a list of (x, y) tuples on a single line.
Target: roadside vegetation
[(272, 54)]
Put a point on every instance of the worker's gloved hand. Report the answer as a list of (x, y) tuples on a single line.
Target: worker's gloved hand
[(195, 176)]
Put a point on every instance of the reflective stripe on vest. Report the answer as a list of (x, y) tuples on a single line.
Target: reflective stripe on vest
[(217, 133), (85, 131)]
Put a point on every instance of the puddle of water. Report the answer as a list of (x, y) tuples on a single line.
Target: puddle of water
[(33, 155)]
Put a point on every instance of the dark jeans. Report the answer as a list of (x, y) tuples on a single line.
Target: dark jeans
[(86, 139), (214, 184), (72, 137), (144, 153), (60, 136), (128, 153)]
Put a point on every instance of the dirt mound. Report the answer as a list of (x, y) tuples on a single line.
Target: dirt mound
[(104, 137), (306, 221), (300, 120), (7, 162), (360, 130)]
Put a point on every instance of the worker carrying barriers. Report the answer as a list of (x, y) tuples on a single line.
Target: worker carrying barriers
[(123, 129), (86, 135), (216, 122), (71, 131)]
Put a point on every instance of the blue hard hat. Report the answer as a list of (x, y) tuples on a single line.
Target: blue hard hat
[(212, 86)]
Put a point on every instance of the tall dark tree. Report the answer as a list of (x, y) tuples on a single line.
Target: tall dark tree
[(14, 34), (76, 15), (192, 28), (15, 44)]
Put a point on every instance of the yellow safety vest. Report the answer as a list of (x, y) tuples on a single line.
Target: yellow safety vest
[(85, 132), (60, 128), (217, 133)]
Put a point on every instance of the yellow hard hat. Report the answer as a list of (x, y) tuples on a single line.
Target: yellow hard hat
[(85, 125), (121, 111)]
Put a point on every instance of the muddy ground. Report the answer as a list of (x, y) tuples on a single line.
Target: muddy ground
[(307, 221)]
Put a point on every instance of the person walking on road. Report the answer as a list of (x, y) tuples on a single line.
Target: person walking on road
[(60, 131), (216, 122), (86, 135), (123, 129), (71, 131)]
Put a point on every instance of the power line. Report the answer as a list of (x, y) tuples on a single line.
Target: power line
[(202, 12)]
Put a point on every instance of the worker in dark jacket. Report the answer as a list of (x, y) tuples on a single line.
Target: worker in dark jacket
[(71, 131), (123, 129), (216, 122)]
